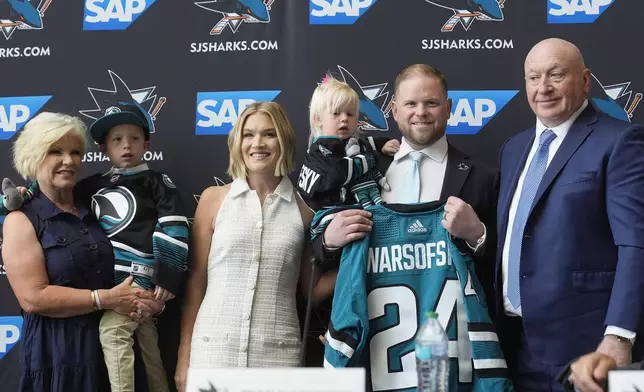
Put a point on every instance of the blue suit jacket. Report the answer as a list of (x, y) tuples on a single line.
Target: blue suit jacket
[(582, 259)]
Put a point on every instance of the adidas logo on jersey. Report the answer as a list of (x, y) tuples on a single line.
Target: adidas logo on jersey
[(417, 227)]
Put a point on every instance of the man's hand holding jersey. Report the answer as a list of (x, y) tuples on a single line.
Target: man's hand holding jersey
[(345, 227), (460, 220)]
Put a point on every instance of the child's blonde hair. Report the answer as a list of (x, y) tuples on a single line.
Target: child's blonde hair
[(330, 96)]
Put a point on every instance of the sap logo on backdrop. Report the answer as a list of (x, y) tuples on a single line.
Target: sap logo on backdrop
[(337, 11), (467, 11), (10, 328), (374, 103), (576, 11), (236, 12), (471, 110), (103, 99), (16, 111), (21, 15), (113, 14), (217, 112), (615, 99)]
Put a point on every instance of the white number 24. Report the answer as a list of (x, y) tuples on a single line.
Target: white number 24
[(450, 300)]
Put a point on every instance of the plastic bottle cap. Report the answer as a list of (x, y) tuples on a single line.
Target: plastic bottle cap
[(431, 315)]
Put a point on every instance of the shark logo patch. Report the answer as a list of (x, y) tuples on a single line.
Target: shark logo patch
[(114, 208)]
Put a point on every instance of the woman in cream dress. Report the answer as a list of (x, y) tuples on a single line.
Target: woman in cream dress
[(250, 252)]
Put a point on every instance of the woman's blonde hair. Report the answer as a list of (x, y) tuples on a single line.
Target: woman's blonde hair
[(37, 137), (330, 96), (285, 137)]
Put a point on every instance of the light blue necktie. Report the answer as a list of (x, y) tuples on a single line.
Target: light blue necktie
[(411, 192), (530, 184)]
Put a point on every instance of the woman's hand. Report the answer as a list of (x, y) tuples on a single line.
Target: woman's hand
[(181, 374), (147, 306), (120, 298)]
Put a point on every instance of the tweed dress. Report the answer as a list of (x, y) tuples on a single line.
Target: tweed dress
[(248, 316)]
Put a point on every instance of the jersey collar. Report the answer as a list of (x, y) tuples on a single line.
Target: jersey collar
[(127, 170)]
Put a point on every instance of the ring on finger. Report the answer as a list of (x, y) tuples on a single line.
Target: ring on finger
[(139, 312)]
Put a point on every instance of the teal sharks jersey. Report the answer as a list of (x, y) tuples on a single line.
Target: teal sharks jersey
[(408, 265)]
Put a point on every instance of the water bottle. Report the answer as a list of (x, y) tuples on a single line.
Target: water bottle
[(432, 357)]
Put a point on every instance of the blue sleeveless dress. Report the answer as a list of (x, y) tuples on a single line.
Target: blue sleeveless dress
[(64, 354)]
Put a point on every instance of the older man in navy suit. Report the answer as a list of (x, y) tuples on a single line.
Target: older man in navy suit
[(570, 264)]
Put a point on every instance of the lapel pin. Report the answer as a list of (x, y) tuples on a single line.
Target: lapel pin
[(462, 166)]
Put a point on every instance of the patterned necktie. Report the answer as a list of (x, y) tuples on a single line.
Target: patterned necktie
[(530, 184), (411, 192)]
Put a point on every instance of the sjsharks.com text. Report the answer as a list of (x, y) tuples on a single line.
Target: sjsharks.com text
[(29, 51), (232, 46), (94, 156), (467, 44)]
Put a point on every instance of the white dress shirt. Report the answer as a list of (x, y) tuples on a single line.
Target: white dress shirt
[(432, 172), (561, 131)]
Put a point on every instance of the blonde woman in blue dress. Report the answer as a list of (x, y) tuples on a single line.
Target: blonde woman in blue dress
[(251, 250)]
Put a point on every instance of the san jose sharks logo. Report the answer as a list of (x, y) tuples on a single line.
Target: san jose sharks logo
[(375, 104), (21, 15), (467, 11), (121, 92), (114, 208), (236, 12), (615, 100), (218, 182)]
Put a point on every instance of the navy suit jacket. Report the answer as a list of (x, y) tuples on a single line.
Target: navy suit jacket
[(582, 258)]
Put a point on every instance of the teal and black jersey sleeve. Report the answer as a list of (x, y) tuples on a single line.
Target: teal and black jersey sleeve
[(349, 326), (170, 238), (327, 170)]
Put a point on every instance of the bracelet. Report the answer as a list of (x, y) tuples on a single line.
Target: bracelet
[(93, 295), (98, 300)]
